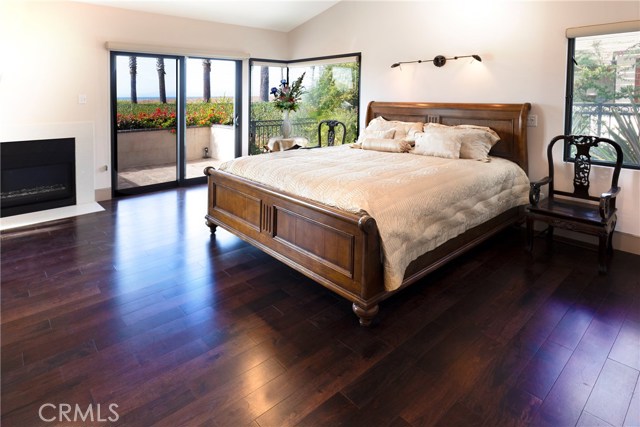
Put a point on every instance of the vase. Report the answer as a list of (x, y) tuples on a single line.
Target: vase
[(286, 125)]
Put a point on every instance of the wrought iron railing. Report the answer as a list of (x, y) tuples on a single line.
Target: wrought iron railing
[(261, 130), (597, 119), (619, 122)]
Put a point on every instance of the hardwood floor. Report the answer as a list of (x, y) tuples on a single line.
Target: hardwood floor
[(140, 307)]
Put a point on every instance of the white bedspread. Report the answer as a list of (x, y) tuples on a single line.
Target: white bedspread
[(418, 202)]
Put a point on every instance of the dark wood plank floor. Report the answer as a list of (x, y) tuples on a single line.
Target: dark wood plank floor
[(140, 307)]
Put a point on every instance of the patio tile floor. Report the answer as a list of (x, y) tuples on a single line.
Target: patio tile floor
[(147, 175)]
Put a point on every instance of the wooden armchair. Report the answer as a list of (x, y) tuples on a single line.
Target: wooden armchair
[(331, 135), (569, 212)]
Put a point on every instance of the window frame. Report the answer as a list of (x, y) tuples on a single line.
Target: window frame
[(286, 65), (570, 80), (181, 102)]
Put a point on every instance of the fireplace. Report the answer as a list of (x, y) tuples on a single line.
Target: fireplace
[(37, 175)]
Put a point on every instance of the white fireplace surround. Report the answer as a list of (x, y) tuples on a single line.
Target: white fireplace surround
[(85, 192)]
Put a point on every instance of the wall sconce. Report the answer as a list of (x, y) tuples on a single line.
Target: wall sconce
[(438, 61)]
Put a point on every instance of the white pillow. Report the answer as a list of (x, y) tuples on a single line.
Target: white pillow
[(438, 142), (378, 134), (388, 145), (476, 140), (404, 130), (382, 133)]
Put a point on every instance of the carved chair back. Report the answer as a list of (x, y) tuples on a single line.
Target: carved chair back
[(331, 134), (582, 164)]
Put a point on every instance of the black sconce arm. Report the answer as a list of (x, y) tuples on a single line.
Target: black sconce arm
[(438, 61)]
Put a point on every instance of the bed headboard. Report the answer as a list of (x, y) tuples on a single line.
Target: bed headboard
[(508, 120)]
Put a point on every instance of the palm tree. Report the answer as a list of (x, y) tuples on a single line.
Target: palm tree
[(206, 68), (264, 84), (133, 70), (161, 73)]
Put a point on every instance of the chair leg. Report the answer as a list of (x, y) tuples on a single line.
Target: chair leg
[(610, 240), (610, 244), (550, 233), (530, 234), (603, 252)]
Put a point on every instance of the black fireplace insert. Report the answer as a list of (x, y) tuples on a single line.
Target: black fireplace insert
[(37, 175)]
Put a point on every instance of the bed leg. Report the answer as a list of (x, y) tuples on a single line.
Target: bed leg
[(211, 225), (366, 315)]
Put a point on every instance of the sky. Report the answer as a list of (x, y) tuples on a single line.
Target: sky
[(222, 77)]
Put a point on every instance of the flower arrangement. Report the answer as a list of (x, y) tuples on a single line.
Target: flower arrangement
[(286, 98)]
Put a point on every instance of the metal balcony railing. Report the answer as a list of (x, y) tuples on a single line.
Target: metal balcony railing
[(597, 119), (261, 130)]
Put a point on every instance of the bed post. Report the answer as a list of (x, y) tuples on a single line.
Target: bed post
[(371, 281), (208, 171)]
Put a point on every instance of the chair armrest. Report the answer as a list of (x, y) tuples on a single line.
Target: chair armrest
[(534, 190), (613, 192), (606, 202)]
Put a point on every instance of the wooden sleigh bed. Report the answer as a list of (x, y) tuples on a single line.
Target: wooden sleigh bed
[(341, 250)]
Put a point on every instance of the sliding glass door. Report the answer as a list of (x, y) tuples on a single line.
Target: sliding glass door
[(146, 105), (172, 117), (210, 133)]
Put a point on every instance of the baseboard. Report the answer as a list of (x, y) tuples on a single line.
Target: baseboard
[(621, 241), (103, 194), (626, 242)]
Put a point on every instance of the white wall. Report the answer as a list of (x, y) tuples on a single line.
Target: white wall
[(524, 52), (51, 52)]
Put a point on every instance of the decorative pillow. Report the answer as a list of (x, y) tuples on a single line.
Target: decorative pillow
[(476, 144), (380, 134), (404, 130), (476, 140), (379, 123), (438, 142), (407, 130), (377, 134), (388, 145)]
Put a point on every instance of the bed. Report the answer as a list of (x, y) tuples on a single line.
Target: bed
[(341, 248)]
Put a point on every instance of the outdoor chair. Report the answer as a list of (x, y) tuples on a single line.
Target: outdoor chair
[(331, 135)]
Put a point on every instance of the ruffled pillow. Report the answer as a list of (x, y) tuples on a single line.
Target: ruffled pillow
[(388, 145), (438, 142), (476, 141)]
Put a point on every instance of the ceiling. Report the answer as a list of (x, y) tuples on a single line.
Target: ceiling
[(277, 15)]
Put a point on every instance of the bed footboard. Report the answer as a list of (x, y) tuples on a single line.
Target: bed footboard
[(339, 250)]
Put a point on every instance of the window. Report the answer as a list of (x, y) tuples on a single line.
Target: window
[(603, 88), (331, 91)]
